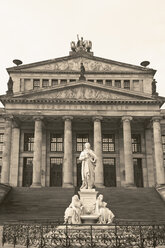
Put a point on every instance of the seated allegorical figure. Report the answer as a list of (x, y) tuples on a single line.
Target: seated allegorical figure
[(105, 215), (73, 212)]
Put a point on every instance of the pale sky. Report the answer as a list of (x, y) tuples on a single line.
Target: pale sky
[(123, 30)]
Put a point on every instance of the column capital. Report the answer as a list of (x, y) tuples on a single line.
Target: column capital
[(38, 118), (97, 118), (127, 118), (156, 118), (67, 118)]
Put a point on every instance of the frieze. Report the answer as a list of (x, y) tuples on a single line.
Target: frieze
[(82, 92)]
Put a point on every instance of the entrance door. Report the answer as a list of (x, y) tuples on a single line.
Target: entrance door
[(79, 178), (55, 172), (138, 172), (27, 172), (109, 172)]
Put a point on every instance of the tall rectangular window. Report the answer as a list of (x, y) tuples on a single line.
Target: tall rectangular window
[(54, 82), (108, 142), (56, 142), (127, 84), (118, 83), (136, 143), (1, 141), (29, 142), (45, 83), (81, 139), (36, 84), (163, 142), (108, 82)]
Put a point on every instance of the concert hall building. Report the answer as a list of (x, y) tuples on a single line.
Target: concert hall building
[(53, 107)]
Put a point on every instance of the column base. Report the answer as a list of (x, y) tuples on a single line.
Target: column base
[(99, 185), (36, 185), (67, 185)]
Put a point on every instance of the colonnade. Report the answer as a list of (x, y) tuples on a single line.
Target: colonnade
[(68, 160)]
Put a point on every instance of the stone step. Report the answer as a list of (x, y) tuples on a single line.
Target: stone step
[(50, 203)]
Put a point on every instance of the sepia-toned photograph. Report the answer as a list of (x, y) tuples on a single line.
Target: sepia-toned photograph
[(82, 124)]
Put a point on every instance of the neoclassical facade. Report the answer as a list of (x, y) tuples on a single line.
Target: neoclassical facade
[(52, 108)]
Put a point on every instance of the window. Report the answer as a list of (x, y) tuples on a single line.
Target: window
[(1, 141), (63, 81), (109, 161), (163, 142), (45, 83), (108, 142), (0, 167), (56, 142), (99, 81), (29, 142), (127, 84), (81, 139), (72, 80), (164, 162), (57, 161), (54, 82), (108, 82), (36, 83), (136, 143), (118, 83), (91, 80)]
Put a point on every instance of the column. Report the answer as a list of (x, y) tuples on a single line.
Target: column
[(37, 158), (6, 150), (15, 155), (128, 158), (160, 177), (68, 161), (99, 174)]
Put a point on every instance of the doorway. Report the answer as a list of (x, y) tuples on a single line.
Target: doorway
[(27, 172), (109, 172), (56, 172), (138, 172)]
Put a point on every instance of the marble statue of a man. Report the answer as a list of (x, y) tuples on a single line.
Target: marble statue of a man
[(88, 159)]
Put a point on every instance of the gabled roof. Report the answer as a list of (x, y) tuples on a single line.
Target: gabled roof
[(32, 67)]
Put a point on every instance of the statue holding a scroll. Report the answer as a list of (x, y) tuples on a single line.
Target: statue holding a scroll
[(88, 159)]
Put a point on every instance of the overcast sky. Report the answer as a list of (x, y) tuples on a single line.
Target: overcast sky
[(124, 30)]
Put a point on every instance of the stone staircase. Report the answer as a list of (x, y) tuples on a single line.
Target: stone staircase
[(136, 204), (49, 204)]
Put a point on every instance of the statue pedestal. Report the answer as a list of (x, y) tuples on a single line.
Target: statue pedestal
[(88, 199)]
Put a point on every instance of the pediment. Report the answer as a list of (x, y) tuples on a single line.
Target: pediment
[(83, 91), (72, 64)]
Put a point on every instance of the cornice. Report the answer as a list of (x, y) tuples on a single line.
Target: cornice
[(78, 55), (79, 101)]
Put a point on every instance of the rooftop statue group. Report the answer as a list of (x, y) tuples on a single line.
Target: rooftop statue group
[(75, 210), (81, 45)]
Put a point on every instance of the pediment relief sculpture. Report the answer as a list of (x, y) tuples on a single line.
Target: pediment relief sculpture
[(82, 92)]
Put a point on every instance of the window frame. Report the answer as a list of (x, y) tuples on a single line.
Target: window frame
[(57, 142), (127, 84), (136, 144), (118, 83), (163, 142), (108, 143), (1, 141), (37, 80), (82, 142), (31, 143)]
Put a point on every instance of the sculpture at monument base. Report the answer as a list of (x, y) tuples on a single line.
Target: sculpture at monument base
[(89, 208)]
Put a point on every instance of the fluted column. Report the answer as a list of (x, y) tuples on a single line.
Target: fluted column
[(128, 158), (160, 177), (99, 174), (68, 161), (6, 150), (37, 158)]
